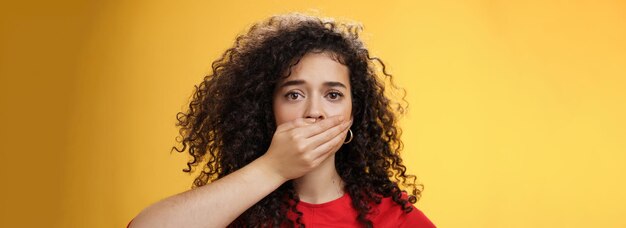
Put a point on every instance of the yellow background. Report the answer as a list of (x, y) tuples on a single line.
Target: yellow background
[(517, 108)]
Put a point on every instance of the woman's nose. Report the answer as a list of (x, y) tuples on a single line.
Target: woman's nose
[(314, 110)]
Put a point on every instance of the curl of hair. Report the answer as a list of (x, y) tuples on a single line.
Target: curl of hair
[(230, 120)]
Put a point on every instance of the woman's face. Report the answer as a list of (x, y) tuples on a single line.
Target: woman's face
[(318, 88)]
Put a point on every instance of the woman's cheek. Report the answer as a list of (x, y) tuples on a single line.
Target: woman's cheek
[(344, 109), (286, 112)]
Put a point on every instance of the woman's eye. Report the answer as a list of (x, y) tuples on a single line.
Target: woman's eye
[(334, 95), (293, 96)]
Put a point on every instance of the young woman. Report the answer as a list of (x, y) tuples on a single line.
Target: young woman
[(295, 130)]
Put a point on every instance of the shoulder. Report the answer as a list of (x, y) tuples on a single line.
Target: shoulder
[(390, 214)]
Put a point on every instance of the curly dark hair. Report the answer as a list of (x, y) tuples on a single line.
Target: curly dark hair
[(230, 121)]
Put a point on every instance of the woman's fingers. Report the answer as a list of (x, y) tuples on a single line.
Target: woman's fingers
[(314, 128), (321, 138), (299, 122), (320, 126), (326, 149)]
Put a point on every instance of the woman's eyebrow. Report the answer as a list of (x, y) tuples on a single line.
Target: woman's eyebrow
[(292, 82), (335, 84), (300, 82)]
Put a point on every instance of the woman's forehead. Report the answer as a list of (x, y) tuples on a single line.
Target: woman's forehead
[(318, 67)]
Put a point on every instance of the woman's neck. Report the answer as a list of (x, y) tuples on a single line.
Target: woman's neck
[(321, 185)]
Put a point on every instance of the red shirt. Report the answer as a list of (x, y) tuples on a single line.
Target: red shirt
[(340, 213)]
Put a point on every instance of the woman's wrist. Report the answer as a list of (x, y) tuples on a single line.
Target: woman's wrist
[(265, 165)]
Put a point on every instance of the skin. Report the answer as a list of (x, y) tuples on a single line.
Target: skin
[(311, 128), (318, 88)]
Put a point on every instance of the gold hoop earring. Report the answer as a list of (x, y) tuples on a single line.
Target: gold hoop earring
[(351, 136)]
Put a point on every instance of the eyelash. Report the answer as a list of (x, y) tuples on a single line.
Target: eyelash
[(290, 94), (338, 94)]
